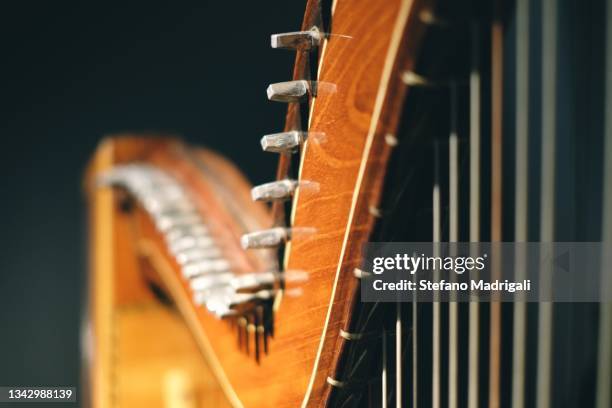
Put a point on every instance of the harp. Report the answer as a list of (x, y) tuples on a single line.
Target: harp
[(406, 121)]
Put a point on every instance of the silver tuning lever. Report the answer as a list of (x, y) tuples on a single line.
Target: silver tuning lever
[(290, 91), (297, 40), (268, 238), (283, 142), (276, 190)]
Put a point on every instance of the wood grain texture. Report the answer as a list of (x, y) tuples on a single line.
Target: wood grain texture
[(364, 63)]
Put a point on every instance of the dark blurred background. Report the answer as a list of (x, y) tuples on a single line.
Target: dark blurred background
[(72, 73)]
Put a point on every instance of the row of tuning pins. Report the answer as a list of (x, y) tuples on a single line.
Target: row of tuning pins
[(255, 327), (288, 142), (188, 239), (252, 332)]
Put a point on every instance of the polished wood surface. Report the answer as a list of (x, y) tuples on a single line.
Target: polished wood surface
[(361, 64), (158, 363)]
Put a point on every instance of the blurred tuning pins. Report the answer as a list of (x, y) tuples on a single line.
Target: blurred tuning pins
[(226, 304), (183, 243), (268, 238), (249, 281), (223, 294), (427, 16), (205, 267), (411, 78), (188, 239)]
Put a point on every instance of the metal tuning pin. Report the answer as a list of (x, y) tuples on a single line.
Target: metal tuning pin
[(205, 266), (360, 273), (223, 304), (225, 285), (190, 242), (411, 78), (269, 238), (162, 206), (197, 254), (167, 222), (208, 282), (297, 40), (291, 91), (427, 16), (182, 231), (209, 289), (233, 282), (276, 190), (283, 142), (260, 279)]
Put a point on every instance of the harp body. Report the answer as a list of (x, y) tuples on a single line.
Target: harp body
[(396, 130)]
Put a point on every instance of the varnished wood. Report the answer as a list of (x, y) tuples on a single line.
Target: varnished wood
[(158, 363), (349, 165), (99, 326)]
